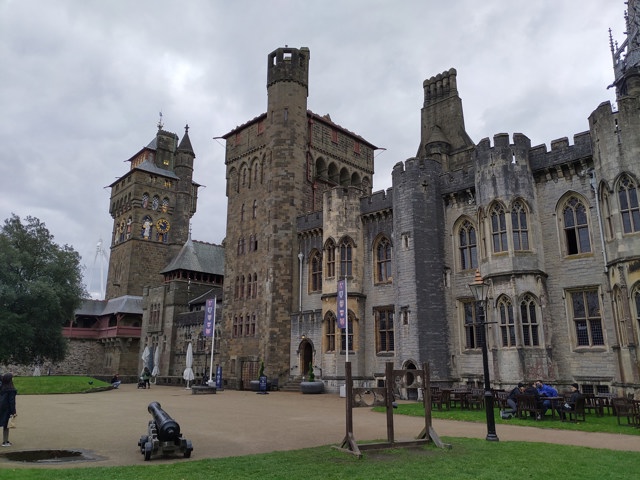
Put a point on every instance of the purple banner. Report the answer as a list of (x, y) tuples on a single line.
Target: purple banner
[(342, 304), (209, 317)]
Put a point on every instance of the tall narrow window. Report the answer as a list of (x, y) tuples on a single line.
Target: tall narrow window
[(519, 227), (242, 213), (255, 208), (383, 260), (576, 227), (473, 332), (330, 332), (529, 320), (315, 283), (344, 337), (247, 323), (587, 317), (629, 209), (507, 323), (385, 341), (255, 286), (468, 246), (346, 253), (330, 254), (498, 229)]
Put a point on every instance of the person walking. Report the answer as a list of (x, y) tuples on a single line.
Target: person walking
[(7, 406)]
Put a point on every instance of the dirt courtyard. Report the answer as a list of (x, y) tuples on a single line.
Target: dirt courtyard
[(231, 423)]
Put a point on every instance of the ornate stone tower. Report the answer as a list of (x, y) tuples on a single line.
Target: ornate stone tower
[(151, 206), (267, 187)]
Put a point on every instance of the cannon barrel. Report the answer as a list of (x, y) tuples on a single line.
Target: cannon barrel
[(167, 428)]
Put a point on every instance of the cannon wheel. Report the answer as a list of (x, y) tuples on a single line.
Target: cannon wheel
[(148, 448), (188, 448), (142, 441)]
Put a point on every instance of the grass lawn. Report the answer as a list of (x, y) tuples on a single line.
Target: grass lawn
[(45, 385), (607, 423), (468, 459)]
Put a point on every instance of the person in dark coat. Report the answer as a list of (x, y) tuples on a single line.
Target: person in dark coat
[(533, 391), (7, 406), (512, 401), (570, 404)]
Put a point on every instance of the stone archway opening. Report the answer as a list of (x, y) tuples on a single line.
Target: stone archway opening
[(306, 357)]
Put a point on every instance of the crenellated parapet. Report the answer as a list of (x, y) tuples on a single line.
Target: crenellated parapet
[(440, 86), (377, 201), (503, 170), (561, 152), (310, 221)]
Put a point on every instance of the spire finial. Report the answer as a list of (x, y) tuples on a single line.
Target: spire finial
[(186, 129), (160, 124)]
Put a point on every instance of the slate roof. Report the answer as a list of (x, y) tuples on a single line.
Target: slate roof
[(96, 308), (214, 292), (198, 257)]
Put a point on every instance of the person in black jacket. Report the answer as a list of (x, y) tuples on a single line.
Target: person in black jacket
[(512, 401), (570, 405), (7, 406), (532, 390)]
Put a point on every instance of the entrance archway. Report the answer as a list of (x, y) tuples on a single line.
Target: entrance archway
[(306, 357)]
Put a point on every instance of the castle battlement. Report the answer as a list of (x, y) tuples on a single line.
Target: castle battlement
[(440, 86), (561, 151), (501, 141), (380, 200), (309, 221)]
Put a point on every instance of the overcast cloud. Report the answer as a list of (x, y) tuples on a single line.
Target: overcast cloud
[(82, 83)]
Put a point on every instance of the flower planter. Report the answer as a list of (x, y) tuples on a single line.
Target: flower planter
[(312, 387)]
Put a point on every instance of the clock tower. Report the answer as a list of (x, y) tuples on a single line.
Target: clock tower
[(151, 206)]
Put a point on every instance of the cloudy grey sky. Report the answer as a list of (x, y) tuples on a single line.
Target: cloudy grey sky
[(82, 83)]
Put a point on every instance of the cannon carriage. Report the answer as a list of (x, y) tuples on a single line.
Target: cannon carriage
[(163, 435)]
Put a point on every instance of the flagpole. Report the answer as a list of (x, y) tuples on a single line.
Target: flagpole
[(213, 341)]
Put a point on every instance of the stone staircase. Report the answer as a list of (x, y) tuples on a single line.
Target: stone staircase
[(292, 385)]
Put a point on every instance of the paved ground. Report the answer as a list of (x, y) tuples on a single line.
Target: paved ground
[(232, 423)]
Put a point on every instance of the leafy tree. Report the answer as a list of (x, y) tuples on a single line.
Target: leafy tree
[(40, 288)]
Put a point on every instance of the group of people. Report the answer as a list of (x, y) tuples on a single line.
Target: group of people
[(7, 406), (543, 394)]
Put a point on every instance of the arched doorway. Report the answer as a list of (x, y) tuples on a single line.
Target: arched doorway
[(412, 393), (306, 357)]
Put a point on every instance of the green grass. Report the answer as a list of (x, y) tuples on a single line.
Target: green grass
[(607, 423), (56, 384), (468, 459)]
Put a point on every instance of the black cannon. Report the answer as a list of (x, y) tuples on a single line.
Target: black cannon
[(163, 435)]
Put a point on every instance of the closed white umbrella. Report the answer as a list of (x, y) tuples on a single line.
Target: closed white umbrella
[(156, 362), (188, 372), (145, 358)]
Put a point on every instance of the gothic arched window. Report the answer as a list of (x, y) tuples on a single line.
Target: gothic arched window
[(529, 319), (519, 227), (576, 227), (315, 277), (629, 209), (498, 228), (467, 245), (507, 322), (383, 260)]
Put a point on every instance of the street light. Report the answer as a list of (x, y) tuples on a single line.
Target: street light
[(480, 290)]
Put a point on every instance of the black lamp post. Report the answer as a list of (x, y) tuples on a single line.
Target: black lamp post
[(480, 290)]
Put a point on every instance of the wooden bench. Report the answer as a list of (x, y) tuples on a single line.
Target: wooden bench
[(528, 403)]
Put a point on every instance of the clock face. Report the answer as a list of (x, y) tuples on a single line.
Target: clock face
[(163, 225)]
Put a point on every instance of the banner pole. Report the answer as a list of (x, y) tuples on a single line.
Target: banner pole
[(213, 341)]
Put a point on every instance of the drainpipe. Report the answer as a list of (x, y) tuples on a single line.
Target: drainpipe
[(594, 185), (300, 258)]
